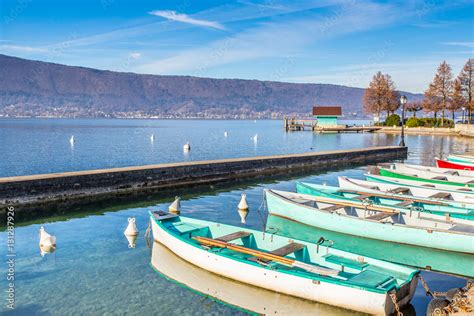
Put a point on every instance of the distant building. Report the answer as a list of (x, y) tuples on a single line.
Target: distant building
[(327, 115)]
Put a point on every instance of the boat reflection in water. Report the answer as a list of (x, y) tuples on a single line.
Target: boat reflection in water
[(420, 257), (235, 294)]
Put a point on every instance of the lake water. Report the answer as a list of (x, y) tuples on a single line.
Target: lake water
[(93, 271)]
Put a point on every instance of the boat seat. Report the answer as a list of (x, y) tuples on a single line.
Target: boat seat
[(440, 178), (346, 262), (332, 208), (160, 215), (184, 228), (380, 216), (372, 278), (282, 251), (441, 195), (399, 190), (453, 173), (404, 203), (234, 236)]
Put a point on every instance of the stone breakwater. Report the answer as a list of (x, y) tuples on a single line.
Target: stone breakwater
[(35, 194)]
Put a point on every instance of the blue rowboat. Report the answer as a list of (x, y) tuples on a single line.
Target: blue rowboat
[(405, 203), (374, 221), (316, 272)]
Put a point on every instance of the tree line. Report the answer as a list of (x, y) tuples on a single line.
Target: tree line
[(445, 93)]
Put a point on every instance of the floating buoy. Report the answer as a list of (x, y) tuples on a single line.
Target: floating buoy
[(152, 137), (187, 147), (225, 134), (243, 203), (72, 140), (243, 215), (131, 229), (132, 241), (47, 242), (255, 138), (175, 207)]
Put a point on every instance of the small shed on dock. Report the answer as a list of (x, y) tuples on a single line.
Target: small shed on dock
[(327, 115)]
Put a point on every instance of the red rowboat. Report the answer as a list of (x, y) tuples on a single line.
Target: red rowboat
[(452, 165)]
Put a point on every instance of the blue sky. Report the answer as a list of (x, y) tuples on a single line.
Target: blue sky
[(324, 41)]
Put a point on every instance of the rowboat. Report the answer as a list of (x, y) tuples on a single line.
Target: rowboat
[(398, 203), (427, 177), (462, 159), (310, 271), (408, 192), (374, 221), (460, 194), (240, 296), (404, 167), (453, 165)]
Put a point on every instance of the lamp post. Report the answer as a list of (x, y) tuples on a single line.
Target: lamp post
[(403, 100), (463, 109)]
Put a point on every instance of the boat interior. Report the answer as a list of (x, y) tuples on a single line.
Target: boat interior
[(334, 264), (409, 217)]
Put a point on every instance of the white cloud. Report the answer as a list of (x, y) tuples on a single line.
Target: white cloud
[(462, 44), (22, 49), (135, 55), (184, 18), (275, 39)]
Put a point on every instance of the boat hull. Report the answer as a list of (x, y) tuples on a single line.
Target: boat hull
[(453, 165), (399, 175), (404, 234), (306, 288)]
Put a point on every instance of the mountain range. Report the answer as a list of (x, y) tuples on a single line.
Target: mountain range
[(36, 88)]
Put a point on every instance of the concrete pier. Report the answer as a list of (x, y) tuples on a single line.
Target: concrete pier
[(38, 193)]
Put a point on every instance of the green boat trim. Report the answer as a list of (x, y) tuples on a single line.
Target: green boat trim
[(418, 184), (206, 229), (337, 193), (398, 175)]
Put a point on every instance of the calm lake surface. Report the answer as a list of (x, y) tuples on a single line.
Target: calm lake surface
[(93, 271)]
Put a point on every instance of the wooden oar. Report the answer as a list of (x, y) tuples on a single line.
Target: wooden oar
[(414, 199), (266, 256)]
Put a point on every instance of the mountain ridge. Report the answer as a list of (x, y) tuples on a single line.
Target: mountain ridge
[(37, 88)]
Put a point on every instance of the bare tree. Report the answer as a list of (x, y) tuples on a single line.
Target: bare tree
[(431, 103), (414, 107), (442, 86), (457, 98), (466, 78), (381, 95)]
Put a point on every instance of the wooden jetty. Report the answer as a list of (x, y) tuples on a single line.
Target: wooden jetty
[(295, 124)]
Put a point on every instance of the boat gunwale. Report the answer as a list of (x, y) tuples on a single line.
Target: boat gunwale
[(294, 273), (456, 210), (390, 180), (443, 231)]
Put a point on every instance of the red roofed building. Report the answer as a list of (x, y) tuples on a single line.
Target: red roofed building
[(327, 115)]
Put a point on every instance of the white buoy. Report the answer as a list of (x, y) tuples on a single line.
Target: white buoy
[(131, 229), (255, 138), (47, 241), (175, 207), (243, 203), (243, 215), (225, 134), (132, 241), (152, 137), (187, 147), (72, 140)]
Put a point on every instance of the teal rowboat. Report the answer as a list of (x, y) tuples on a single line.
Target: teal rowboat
[(294, 267), (403, 204), (375, 222), (399, 175), (462, 159)]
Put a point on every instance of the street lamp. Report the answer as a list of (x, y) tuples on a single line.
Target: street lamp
[(463, 109), (403, 100)]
